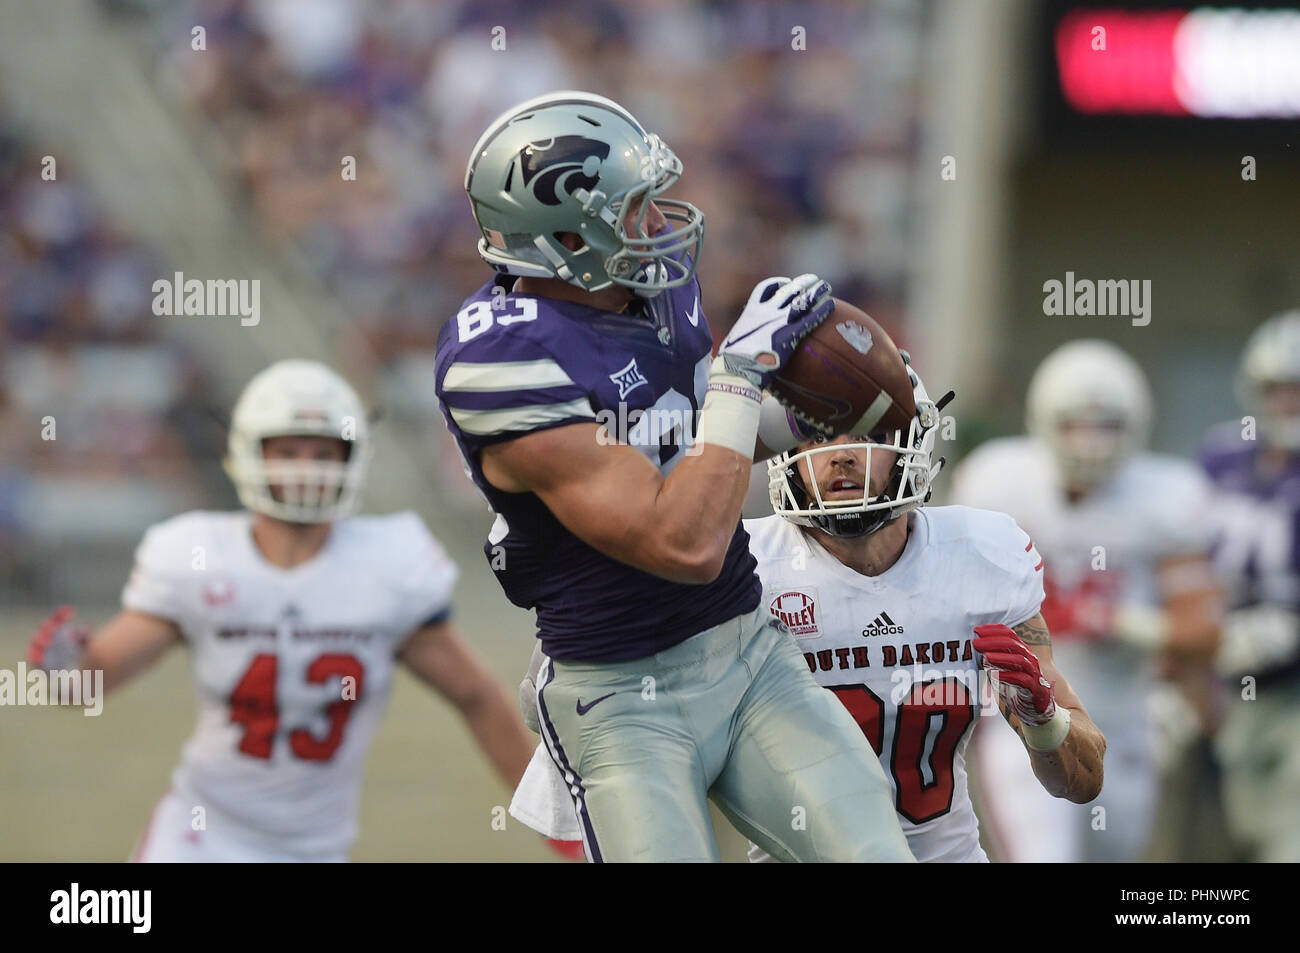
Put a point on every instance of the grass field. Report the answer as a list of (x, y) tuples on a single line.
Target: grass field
[(81, 789), (74, 788)]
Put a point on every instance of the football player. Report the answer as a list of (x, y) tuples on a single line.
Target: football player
[(895, 608), (572, 383), (1125, 539), (1255, 467), (295, 613)]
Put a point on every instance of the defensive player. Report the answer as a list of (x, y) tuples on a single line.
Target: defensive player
[(1125, 539), (295, 613), (572, 383), (1255, 466), (895, 608)]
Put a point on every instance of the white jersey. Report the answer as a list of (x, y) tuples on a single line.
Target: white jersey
[(896, 648), (1108, 547), (293, 667), (1152, 508)]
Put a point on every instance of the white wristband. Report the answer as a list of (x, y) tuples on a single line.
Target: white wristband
[(1143, 627), (1048, 737), (729, 417)]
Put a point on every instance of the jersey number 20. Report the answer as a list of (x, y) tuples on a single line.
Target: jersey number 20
[(252, 704), (919, 749)]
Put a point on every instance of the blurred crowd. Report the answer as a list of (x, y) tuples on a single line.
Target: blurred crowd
[(798, 161), (96, 406)]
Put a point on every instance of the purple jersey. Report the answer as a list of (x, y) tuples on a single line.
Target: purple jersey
[(1258, 540), (510, 364)]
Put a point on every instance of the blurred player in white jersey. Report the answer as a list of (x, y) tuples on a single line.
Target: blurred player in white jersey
[(1125, 537), (1255, 466), (295, 613), (895, 607)]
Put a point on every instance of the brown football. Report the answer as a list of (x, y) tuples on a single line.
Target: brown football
[(847, 377)]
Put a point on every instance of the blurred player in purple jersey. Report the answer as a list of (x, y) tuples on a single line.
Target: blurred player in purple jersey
[(1255, 464), (615, 451)]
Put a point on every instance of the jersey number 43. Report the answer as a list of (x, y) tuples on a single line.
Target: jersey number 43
[(253, 705)]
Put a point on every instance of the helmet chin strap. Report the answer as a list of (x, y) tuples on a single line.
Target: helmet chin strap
[(562, 270), (853, 525)]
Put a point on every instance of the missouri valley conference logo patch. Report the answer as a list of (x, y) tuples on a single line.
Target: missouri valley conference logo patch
[(797, 608)]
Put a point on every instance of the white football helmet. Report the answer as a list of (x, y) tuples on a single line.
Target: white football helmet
[(1090, 404), (292, 398), (1272, 356), (910, 484)]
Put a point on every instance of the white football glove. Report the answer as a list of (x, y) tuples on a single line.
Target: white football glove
[(59, 643), (779, 313)]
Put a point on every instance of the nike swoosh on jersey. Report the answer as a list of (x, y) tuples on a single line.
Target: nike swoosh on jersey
[(694, 316), (583, 709)]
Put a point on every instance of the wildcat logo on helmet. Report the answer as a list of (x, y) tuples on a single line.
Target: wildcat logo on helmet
[(565, 163), (797, 608)]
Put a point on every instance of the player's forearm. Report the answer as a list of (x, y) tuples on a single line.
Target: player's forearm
[(504, 740), (117, 668), (127, 645), (695, 512), (1074, 769), (1195, 620), (1190, 615), (107, 674)]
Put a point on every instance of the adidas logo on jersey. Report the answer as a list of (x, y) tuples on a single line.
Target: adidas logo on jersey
[(882, 625)]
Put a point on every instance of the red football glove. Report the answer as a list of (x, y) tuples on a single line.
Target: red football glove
[(1018, 677), (60, 642)]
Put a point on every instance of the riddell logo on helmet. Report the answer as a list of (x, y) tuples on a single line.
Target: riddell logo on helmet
[(798, 610)]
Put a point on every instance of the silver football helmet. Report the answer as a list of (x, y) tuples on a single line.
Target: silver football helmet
[(1088, 401), (577, 162), (1272, 357), (292, 398), (794, 492)]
